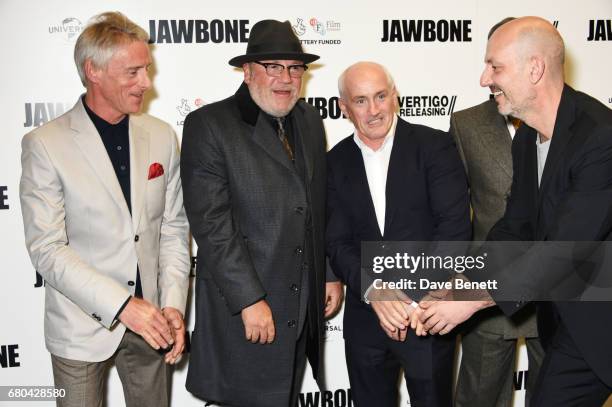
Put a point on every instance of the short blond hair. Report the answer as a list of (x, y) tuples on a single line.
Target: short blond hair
[(100, 39)]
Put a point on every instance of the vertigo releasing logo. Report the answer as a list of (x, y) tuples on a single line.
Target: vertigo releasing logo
[(198, 31), (38, 113), (316, 31), (416, 106), (600, 30), (69, 28), (426, 31)]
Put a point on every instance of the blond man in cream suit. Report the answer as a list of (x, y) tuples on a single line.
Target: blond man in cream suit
[(105, 226)]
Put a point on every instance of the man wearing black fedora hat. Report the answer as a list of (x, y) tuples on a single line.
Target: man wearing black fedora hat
[(254, 179)]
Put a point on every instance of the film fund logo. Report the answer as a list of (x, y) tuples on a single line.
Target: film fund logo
[(315, 31), (185, 107), (426, 106), (69, 28)]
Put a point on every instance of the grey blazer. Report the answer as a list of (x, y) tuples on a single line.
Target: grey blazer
[(83, 239), (484, 145)]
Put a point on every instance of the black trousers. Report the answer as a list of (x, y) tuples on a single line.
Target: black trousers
[(427, 362), (565, 378)]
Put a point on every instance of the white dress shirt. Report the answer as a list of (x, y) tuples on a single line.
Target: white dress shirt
[(376, 163)]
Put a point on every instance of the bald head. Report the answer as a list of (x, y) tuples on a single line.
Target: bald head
[(361, 70), (368, 98), (533, 37), (524, 71)]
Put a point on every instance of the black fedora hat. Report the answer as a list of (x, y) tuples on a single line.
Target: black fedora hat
[(271, 39)]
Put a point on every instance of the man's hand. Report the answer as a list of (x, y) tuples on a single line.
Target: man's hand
[(145, 319), (443, 316), (392, 309), (333, 297), (258, 322), (400, 334), (175, 320), (415, 322)]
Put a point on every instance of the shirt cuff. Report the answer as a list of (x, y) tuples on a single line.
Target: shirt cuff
[(122, 308)]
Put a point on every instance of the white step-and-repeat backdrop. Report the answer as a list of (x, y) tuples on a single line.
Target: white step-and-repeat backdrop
[(433, 49)]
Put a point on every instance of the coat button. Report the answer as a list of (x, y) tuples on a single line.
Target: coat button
[(136, 238), (298, 250), (291, 324), (131, 283), (299, 210), (304, 266), (294, 288), (96, 317)]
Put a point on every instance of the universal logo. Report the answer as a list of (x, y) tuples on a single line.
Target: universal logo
[(69, 28), (316, 29), (185, 107), (415, 106), (332, 331)]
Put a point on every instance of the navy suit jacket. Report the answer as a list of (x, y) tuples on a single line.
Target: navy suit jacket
[(426, 200), (573, 203)]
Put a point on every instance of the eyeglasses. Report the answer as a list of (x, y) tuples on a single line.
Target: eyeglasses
[(272, 69)]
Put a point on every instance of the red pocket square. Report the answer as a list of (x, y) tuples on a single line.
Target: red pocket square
[(156, 170)]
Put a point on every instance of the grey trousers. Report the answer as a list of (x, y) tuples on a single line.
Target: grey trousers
[(487, 367), (144, 375)]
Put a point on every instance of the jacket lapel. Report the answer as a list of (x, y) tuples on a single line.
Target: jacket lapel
[(264, 135), (139, 169), (528, 160), (87, 138), (561, 137), (355, 175), (301, 127), (396, 172), (494, 145)]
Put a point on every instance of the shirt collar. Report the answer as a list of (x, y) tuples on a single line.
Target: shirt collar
[(387, 143), (101, 124)]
